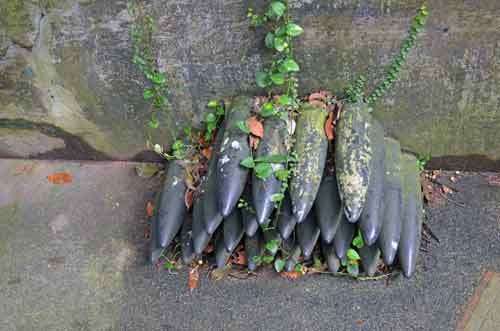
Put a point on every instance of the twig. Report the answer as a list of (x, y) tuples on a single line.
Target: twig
[(459, 204)]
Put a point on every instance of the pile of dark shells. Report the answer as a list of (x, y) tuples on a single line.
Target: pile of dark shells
[(358, 184)]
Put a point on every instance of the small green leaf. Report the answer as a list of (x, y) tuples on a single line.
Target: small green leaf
[(263, 170), (278, 8), (187, 130), (317, 262), (269, 40), (268, 259), (282, 174), (219, 110), (289, 65), (272, 246), (267, 110), (294, 30), (148, 94), (212, 104), (243, 126), (278, 78), (358, 241), (138, 60), (298, 267), (248, 162), (211, 118), (272, 158), (284, 100), (277, 197), (263, 80), (257, 259), (279, 265), (154, 123), (279, 44), (280, 32), (353, 255), (158, 78)]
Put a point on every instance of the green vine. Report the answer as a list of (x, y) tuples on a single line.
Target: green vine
[(356, 94)]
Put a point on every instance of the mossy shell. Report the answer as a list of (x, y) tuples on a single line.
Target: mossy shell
[(353, 158), (311, 148)]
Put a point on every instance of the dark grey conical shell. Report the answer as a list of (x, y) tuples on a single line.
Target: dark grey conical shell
[(200, 235), (172, 208), (353, 154), (370, 256), (187, 248), (328, 250), (393, 202), (328, 208), (233, 230), (343, 237), (311, 148), (308, 234), (286, 219), (372, 215), (253, 248), (155, 248), (409, 244), (231, 176), (221, 254)]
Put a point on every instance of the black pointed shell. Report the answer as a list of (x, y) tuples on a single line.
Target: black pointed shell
[(372, 215), (172, 208), (286, 220), (308, 234), (155, 248), (328, 250), (370, 256), (393, 202), (200, 235), (311, 148), (343, 237), (253, 248), (409, 244), (353, 154), (328, 208), (233, 230), (221, 254), (273, 143), (231, 176)]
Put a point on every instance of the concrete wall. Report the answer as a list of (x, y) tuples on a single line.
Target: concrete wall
[(65, 69)]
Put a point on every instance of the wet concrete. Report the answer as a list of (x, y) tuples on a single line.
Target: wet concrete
[(73, 257)]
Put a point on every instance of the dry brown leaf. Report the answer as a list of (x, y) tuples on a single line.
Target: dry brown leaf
[(255, 126), (254, 142), (207, 152), (150, 209), (329, 126), (291, 274), (446, 189), (239, 257), (188, 198), (194, 277), (494, 180), (60, 178), (359, 322)]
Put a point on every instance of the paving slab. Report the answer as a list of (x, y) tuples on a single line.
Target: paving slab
[(73, 257)]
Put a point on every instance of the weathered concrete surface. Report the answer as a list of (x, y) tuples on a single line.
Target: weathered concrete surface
[(72, 257), (67, 63)]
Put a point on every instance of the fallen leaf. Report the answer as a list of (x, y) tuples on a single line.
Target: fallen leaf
[(291, 274), (453, 179), (254, 142), (207, 152), (494, 180), (194, 276), (25, 169), (239, 257), (321, 96), (147, 232), (60, 178), (359, 322), (209, 249), (150, 209), (446, 189), (329, 127), (255, 127), (188, 198)]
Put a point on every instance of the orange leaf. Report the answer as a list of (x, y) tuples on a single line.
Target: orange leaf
[(60, 178), (150, 209), (255, 126), (329, 127), (291, 274), (240, 257), (317, 96), (254, 142), (207, 152), (193, 278), (188, 198)]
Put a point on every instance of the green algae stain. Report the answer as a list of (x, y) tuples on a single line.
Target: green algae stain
[(8, 220), (16, 18)]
